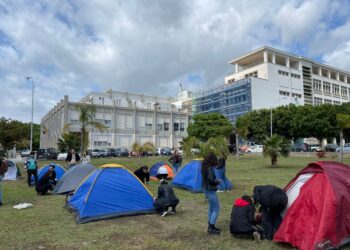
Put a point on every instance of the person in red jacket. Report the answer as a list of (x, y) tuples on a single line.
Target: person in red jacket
[(243, 222)]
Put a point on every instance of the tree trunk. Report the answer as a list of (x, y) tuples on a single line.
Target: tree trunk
[(273, 161), (341, 156), (82, 141)]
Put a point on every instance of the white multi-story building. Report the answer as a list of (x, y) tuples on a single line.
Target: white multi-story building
[(297, 78), (129, 118)]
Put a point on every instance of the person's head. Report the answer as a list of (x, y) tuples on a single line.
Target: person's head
[(72, 151), (210, 160), (176, 152), (32, 155), (162, 173), (144, 169), (51, 168), (248, 199)]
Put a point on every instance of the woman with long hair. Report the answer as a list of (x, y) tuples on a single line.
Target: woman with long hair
[(210, 183)]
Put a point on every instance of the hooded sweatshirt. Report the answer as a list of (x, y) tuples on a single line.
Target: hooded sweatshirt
[(242, 217)]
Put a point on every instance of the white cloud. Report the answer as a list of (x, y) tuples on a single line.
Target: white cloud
[(72, 47)]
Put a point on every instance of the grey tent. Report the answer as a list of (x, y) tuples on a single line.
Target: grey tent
[(72, 178), (13, 172)]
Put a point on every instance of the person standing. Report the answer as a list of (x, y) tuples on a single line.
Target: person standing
[(221, 170), (176, 161), (3, 170), (32, 169), (143, 174), (209, 184), (72, 158), (273, 201)]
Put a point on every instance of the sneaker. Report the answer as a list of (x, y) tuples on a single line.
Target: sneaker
[(257, 237), (172, 212), (164, 213)]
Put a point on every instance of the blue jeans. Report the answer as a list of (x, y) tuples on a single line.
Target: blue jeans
[(214, 207), (176, 167), (1, 176)]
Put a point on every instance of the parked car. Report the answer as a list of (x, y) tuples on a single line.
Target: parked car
[(121, 152), (95, 152), (255, 149), (62, 156), (111, 152), (25, 153), (331, 147), (315, 148), (299, 147), (346, 148), (47, 154), (163, 151), (103, 153)]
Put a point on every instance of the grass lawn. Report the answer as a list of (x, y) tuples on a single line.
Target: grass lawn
[(49, 226)]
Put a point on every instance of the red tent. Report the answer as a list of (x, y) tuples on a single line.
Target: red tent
[(318, 211)]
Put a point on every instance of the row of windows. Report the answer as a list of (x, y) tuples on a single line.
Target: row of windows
[(319, 101), (295, 76), (283, 73), (286, 93), (252, 74), (329, 88)]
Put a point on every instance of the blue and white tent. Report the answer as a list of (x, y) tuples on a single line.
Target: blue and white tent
[(190, 177), (58, 169), (110, 191)]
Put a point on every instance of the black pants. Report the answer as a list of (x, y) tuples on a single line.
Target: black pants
[(164, 209), (271, 216), (44, 188), (31, 172)]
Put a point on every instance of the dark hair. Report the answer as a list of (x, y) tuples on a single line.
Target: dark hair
[(162, 176), (210, 160), (145, 167), (247, 198)]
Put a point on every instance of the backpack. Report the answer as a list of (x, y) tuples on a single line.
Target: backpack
[(3, 167), (31, 164)]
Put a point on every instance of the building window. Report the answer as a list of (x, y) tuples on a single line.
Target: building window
[(252, 74), (326, 101), (335, 89), (344, 91), (284, 93), (166, 126), (296, 95), (148, 126), (118, 102), (176, 126), (317, 84), (317, 101), (283, 73), (295, 76), (149, 105), (182, 126), (326, 87), (159, 127), (336, 103)]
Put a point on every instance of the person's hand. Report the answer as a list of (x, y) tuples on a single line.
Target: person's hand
[(258, 217)]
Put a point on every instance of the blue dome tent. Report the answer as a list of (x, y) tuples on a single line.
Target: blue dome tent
[(190, 177), (110, 191), (153, 171), (58, 169)]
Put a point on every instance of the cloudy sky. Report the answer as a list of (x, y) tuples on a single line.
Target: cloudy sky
[(75, 47)]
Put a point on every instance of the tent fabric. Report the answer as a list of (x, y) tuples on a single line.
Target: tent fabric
[(190, 177), (319, 215), (58, 169), (72, 178), (13, 171), (154, 170), (226, 184), (110, 191)]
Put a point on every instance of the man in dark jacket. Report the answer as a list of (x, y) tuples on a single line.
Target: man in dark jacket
[(166, 195), (143, 174), (273, 201), (46, 182), (243, 221), (72, 158)]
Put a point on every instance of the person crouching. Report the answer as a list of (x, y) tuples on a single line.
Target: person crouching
[(46, 182), (243, 222), (166, 195)]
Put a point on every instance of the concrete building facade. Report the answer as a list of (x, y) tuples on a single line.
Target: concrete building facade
[(129, 118)]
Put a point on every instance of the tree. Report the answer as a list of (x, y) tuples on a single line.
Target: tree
[(147, 147), (209, 125), (86, 122), (216, 145), (274, 147), (68, 141), (343, 122)]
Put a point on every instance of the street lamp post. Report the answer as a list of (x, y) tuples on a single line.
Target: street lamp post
[(31, 124), (271, 113)]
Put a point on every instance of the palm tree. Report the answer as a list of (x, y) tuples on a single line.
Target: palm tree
[(139, 149), (86, 122), (343, 122), (276, 146), (216, 145)]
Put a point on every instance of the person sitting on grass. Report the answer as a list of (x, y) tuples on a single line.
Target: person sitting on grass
[(143, 174), (47, 182), (166, 195), (243, 219)]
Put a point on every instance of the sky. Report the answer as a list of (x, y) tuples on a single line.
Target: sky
[(76, 47)]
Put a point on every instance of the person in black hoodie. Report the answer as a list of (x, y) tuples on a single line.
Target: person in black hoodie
[(46, 182), (243, 222), (166, 195), (209, 184), (143, 174), (273, 201)]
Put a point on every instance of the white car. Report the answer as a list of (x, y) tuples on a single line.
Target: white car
[(346, 148), (62, 156), (255, 149)]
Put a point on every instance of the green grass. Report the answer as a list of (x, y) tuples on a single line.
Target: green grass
[(49, 226)]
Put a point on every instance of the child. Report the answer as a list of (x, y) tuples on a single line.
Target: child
[(243, 221), (166, 196)]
